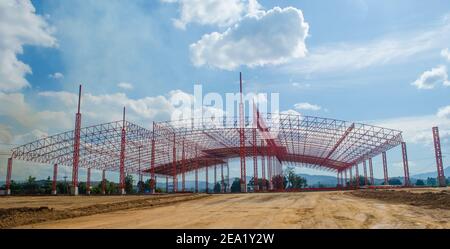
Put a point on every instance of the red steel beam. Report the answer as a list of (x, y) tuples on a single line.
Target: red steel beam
[(196, 170), (222, 185), (341, 139), (438, 155), (405, 165), (263, 168), (76, 146), (206, 178), (385, 168)]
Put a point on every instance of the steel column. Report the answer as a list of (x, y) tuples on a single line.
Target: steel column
[(152, 167), (55, 177), (357, 175), (366, 181), (255, 161), (196, 170), (174, 165), (372, 182), (76, 146), (222, 185), (269, 167), (88, 182), (438, 155), (351, 177), (242, 139), (103, 182), (215, 176), (206, 176), (8, 176), (345, 176), (405, 165), (228, 178), (122, 156), (385, 169), (183, 169), (167, 184), (263, 167)]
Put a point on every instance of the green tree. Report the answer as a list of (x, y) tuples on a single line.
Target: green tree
[(129, 184), (295, 181), (30, 185), (236, 186), (395, 181), (279, 182), (82, 188), (217, 188), (431, 181), (141, 187), (420, 182)]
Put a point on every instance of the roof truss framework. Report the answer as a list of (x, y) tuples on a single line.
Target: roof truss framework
[(324, 143)]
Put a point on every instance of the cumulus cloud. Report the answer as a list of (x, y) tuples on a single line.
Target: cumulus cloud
[(446, 54), (125, 85), (56, 76), (212, 12), (444, 112), (271, 37), (429, 79), (291, 112), (19, 26), (307, 106)]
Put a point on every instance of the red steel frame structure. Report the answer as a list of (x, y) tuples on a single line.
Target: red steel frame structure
[(315, 142)]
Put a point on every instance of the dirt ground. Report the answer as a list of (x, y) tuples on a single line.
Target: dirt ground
[(358, 209)]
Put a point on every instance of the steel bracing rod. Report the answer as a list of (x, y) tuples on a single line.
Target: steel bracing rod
[(366, 182), (372, 182), (385, 168), (405, 165), (438, 155)]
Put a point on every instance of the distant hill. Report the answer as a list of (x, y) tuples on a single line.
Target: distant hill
[(432, 174)]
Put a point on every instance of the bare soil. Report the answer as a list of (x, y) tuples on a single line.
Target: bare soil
[(40, 209), (358, 209), (436, 199)]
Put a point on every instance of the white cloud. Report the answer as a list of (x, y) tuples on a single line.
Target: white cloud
[(212, 12), (291, 112), (429, 79), (307, 106), (19, 26), (388, 49), (444, 112), (417, 129), (56, 76), (301, 85), (125, 85), (446, 54), (272, 37)]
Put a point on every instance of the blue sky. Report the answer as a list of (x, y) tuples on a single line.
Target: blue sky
[(354, 60)]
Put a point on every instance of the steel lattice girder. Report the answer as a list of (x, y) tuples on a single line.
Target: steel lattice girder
[(324, 143)]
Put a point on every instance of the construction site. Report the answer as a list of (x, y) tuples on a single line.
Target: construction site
[(173, 151)]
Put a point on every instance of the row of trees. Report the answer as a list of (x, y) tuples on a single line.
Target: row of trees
[(33, 186)]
